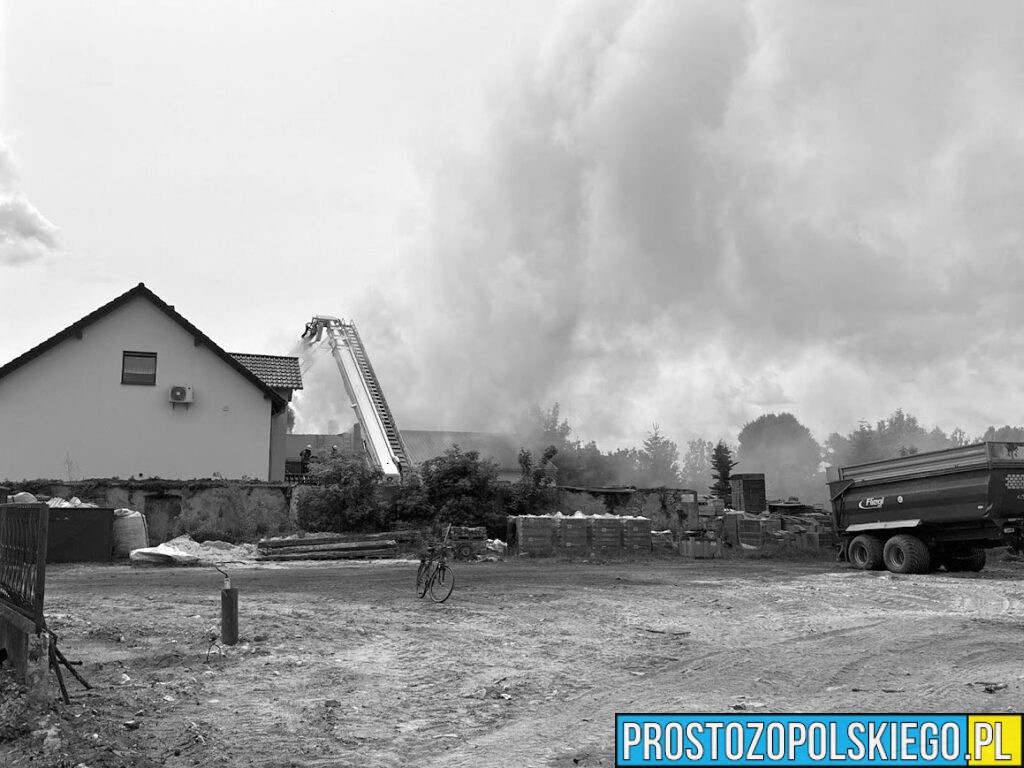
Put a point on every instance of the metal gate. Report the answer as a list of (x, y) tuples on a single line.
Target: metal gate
[(23, 531)]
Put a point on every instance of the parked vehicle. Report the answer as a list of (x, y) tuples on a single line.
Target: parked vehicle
[(917, 513)]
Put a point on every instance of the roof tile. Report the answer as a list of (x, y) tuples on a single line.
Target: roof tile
[(275, 371)]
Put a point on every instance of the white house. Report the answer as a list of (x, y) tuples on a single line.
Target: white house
[(135, 390)]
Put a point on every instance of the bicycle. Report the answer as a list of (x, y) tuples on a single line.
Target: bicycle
[(435, 575)]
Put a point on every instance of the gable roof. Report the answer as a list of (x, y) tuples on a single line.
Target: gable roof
[(275, 371), (141, 291)]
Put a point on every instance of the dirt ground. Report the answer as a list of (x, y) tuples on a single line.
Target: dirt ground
[(525, 665)]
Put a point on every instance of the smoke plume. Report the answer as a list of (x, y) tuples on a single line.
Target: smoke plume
[(696, 213)]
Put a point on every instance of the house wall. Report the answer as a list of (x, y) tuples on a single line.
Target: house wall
[(278, 443), (66, 414)]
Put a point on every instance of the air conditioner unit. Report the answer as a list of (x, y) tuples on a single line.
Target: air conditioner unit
[(180, 394)]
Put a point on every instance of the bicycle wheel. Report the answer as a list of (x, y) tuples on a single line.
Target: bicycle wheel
[(442, 582), (428, 577), (421, 578)]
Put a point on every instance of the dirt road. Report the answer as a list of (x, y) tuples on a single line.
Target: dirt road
[(340, 665)]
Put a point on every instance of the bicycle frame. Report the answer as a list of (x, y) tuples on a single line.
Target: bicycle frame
[(435, 573)]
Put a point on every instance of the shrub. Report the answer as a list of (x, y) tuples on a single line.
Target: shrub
[(344, 497), (462, 489), (408, 502)]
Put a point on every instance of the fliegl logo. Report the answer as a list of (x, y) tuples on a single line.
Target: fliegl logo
[(874, 502), (875, 740)]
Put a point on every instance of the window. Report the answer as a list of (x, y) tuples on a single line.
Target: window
[(138, 368)]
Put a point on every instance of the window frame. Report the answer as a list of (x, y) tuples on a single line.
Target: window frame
[(136, 383)]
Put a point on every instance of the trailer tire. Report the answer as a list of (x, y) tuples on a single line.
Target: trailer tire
[(967, 559), (866, 553), (906, 554)]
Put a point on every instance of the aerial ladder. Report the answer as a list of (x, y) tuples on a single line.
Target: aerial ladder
[(381, 439)]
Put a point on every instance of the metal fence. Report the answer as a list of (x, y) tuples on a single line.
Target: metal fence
[(23, 532)]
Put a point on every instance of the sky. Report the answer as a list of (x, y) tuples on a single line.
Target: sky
[(686, 213)]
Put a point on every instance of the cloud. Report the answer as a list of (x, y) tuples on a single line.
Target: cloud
[(25, 234), (684, 212)]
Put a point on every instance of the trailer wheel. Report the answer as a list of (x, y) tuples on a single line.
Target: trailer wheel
[(906, 554), (966, 559), (865, 553)]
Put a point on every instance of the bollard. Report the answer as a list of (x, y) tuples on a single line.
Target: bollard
[(228, 613)]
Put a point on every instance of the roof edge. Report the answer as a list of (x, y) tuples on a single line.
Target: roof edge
[(139, 291)]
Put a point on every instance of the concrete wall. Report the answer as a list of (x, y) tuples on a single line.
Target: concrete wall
[(66, 414), (230, 511)]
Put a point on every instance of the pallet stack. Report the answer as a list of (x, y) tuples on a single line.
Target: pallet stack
[(699, 549), (750, 531), (663, 541), (532, 535), (636, 535), (572, 535), (606, 536)]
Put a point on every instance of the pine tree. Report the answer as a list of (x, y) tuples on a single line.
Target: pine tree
[(721, 465), (659, 461)]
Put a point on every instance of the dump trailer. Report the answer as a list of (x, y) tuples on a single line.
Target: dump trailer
[(917, 513)]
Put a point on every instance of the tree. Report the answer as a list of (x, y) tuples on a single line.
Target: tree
[(409, 505), (344, 497), (658, 461), (537, 429), (1006, 434), (721, 469), (898, 435), (461, 488), (575, 463), (696, 468), (959, 438), (785, 451), (623, 467), (901, 435), (535, 489), (584, 465)]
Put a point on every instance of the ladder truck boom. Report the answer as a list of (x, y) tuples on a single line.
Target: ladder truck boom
[(381, 438)]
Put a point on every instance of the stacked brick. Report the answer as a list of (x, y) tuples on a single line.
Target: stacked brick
[(531, 535), (636, 535), (572, 535), (601, 536), (606, 536)]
